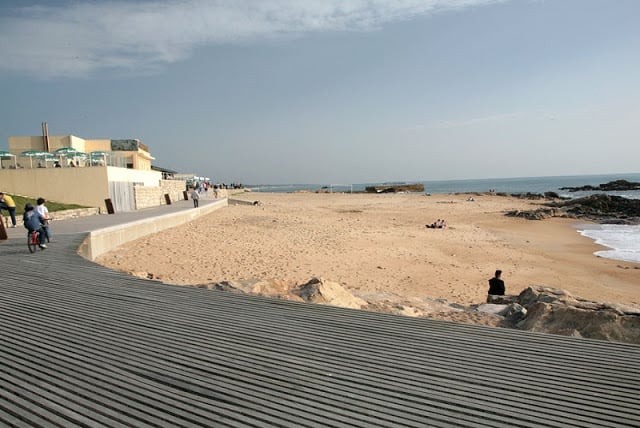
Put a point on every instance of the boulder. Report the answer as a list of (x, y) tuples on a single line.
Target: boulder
[(235, 286), (492, 308), (555, 311), (273, 288), (501, 300), (514, 313), (319, 290)]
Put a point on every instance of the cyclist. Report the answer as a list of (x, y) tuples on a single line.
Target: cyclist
[(33, 221), (41, 208)]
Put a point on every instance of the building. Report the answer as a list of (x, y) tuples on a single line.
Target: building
[(87, 172)]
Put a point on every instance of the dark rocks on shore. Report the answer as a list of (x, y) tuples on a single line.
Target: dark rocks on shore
[(537, 214), (603, 208), (600, 208), (395, 188), (526, 195), (617, 185)]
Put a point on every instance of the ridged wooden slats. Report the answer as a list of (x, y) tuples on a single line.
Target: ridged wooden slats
[(82, 345)]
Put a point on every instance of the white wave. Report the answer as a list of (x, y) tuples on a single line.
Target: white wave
[(623, 241)]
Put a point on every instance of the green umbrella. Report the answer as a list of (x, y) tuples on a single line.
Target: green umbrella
[(7, 155), (99, 155), (64, 151), (33, 154)]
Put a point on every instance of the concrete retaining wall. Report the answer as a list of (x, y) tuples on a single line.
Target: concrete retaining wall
[(147, 197), (104, 240)]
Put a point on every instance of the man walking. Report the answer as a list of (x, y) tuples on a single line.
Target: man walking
[(196, 198)]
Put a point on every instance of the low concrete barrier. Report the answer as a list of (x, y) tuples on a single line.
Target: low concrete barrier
[(59, 215), (104, 240)]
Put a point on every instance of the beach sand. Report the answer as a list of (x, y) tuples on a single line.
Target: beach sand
[(377, 247)]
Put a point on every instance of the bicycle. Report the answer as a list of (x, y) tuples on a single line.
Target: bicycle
[(33, 241)]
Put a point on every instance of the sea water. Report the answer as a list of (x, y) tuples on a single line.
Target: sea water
[(507, 185), (623, 241)]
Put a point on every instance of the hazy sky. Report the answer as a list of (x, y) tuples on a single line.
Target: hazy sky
[(334, 91)]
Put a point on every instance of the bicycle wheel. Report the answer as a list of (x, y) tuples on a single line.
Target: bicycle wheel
[(32, 241)]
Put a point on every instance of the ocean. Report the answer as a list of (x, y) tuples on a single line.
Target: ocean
[(622, 241), (509, 185)]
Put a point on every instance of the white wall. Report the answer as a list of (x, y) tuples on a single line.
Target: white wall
[(148, 178)]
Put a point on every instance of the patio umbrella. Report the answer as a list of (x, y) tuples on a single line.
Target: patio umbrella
[(48, 157), (99, 155), (64, 151), (78, 155), (7, 155), (33, 154)]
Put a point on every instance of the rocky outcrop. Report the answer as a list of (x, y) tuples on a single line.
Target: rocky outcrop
[(395, 188), (550, 310), (527, 195), (600, 208), (319, 290), (536, 196), (617, 185), (316, 290), (538, 309), (537, 214)]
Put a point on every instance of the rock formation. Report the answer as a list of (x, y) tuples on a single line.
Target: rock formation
[(395, 188), (538, 309), (555, 311), (600, 208), (617, 185)]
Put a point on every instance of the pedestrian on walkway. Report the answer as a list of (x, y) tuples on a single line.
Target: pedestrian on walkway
[(7, 203), (196, 198)]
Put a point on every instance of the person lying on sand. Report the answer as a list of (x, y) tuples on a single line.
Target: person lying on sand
[(438, 224)]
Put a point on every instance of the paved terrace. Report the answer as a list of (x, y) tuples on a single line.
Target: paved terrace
[(81, 345)]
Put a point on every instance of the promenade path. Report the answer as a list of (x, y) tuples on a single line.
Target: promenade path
[(82, 345)]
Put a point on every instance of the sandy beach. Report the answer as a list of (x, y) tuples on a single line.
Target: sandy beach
[(377, 247)]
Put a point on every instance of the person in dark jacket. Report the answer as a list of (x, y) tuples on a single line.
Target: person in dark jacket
[(496, 285), (34, 221)]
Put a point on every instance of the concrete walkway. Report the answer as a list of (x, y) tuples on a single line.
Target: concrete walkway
[(81, 345), (89, 223)]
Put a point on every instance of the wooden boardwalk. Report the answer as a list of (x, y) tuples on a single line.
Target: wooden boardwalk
[(81, 345)]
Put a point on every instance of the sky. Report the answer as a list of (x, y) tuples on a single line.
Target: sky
[(333, 91)]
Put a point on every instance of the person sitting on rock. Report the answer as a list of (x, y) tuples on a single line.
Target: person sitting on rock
[(496, 285)]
